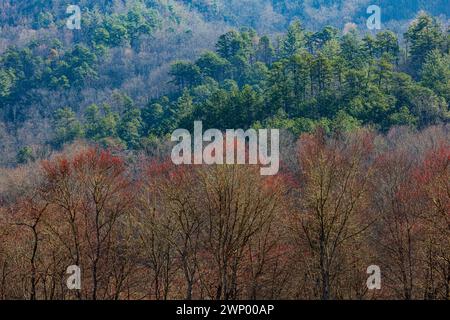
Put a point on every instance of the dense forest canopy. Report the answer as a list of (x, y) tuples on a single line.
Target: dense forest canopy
[(277, 14), (272, 14), (138, 69), (86, 180)]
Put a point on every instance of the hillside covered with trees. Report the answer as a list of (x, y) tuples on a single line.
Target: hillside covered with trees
[(86, 179), (147, 229), (138, 69)]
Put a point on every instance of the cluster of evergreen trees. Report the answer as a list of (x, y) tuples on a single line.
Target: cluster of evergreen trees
[(297, 81), (304, 81), (48, 64), (309, 79)]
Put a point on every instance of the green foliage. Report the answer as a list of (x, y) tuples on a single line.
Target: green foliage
[(67, 127), (25, 155), (319, 79), (185, 74), (152, 117), (74, 68), (7, 79), (130, 128), (212, 65), (265, 52), (101, 122), (343, 122), (426, 105), (304, 80), (424, 35), (294, 40), (436, 73), (48, 64), (231, 44), (402, 118)]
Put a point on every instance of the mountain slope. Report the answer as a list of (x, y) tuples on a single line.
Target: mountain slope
[(123, 56)]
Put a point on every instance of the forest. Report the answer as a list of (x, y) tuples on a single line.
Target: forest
[(86, 177), (147, 229), (136, 70)]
